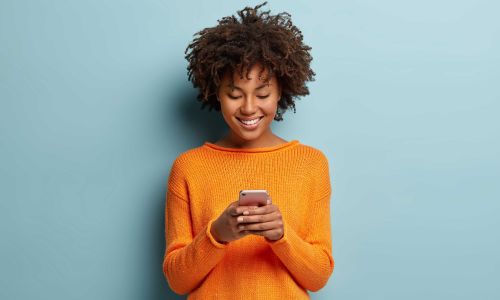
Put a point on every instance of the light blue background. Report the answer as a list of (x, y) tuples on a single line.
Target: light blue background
[(95, 105)]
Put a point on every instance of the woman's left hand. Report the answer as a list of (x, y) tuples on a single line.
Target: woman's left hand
[(264, 220)]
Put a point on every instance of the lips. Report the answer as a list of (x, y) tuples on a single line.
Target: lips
[(241, 119), (249, 126)]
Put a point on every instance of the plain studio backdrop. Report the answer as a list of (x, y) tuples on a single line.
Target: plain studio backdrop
[(95, 105)]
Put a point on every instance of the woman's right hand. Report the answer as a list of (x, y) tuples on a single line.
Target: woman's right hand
[(225, 228)]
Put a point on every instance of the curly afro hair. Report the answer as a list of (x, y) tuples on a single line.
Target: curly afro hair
[(235, 45)]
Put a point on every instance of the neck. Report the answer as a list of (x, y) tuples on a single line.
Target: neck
[(267, 139)]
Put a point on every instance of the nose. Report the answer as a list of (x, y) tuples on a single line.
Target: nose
[(249, 107)]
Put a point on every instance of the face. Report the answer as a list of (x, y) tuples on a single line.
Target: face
[(249, 106)]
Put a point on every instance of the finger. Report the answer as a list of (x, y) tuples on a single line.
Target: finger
[(259, 218), (232, 208), (261, 232), (235, 210), (240, 209), (260, 226), (261, 210), (267, 233)]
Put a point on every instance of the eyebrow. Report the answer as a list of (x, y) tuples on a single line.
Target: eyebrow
[(257, 88)]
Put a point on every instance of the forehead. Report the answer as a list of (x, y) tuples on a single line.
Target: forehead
[(256, 75)]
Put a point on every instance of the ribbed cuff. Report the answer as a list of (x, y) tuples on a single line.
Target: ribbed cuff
[(210, 236)]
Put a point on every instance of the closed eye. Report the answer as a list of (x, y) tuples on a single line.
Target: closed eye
[(237, 97)]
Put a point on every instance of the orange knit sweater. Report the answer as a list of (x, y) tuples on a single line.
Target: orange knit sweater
[(202, 183)]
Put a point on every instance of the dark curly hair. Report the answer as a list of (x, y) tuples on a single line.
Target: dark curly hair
[(257, 37)]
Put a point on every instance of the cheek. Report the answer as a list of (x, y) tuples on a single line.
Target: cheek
[(228, 116), (227, 109), (271, 108), (270, 111)]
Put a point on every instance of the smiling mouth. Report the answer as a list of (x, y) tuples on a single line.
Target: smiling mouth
[(254, 121)]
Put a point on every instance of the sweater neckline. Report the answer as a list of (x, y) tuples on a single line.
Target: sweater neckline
[(252, 150)]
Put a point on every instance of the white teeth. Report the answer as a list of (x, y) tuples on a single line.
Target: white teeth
[(254, 121)]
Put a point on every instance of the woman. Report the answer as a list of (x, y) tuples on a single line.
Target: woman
[(249, 69)]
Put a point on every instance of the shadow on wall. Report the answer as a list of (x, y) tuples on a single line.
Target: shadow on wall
[(196, 126)]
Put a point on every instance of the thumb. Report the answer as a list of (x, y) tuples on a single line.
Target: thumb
[(232, 208)]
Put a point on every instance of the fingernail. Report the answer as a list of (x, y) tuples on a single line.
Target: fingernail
[(240, 219), (268, 201), (246, 213), (241, 227)]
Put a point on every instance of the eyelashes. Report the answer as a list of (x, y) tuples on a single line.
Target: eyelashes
[(237, 97)]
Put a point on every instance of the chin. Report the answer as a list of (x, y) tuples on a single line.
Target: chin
[(247, 135)]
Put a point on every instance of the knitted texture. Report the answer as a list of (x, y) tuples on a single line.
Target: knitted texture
[(203, 181)]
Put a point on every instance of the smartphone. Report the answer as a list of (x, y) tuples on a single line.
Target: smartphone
[(253, 198)]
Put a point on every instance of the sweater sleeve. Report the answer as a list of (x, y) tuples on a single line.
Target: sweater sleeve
[(188, 259), (310, 259)]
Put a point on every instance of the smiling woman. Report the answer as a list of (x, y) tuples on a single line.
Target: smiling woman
[(249, 106), (250, 69), (235, 45)]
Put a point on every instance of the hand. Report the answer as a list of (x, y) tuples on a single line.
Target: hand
[(225, 228), (264, 220)]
